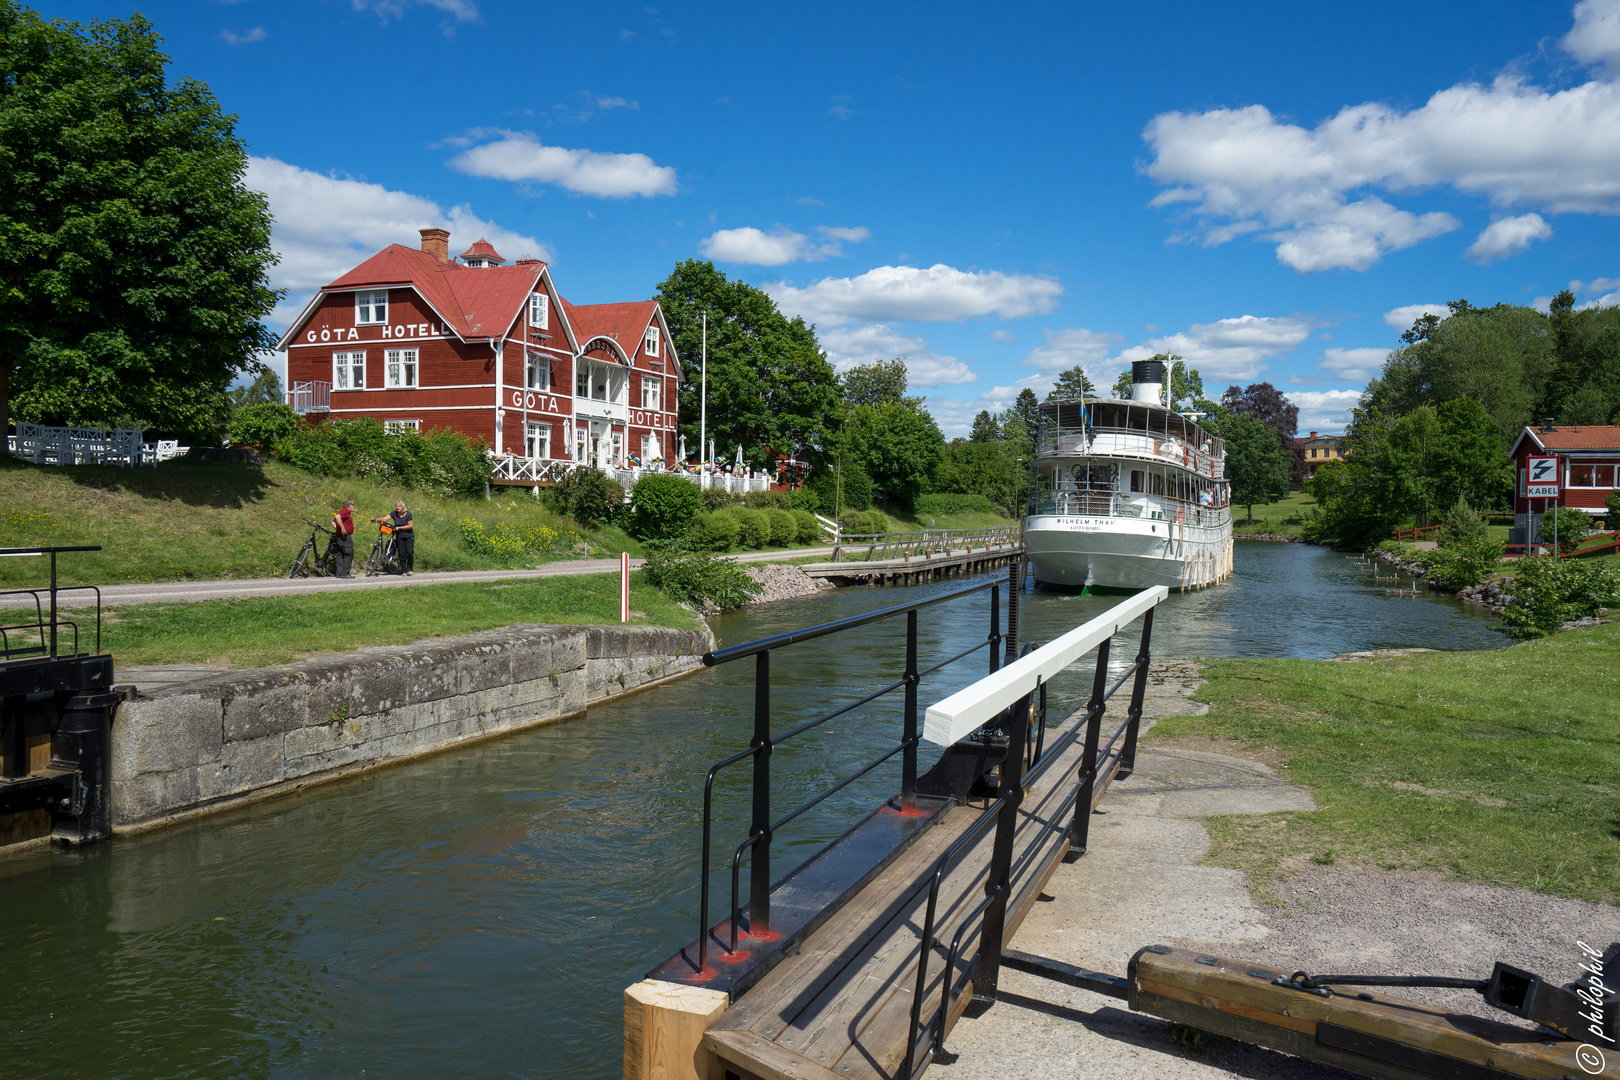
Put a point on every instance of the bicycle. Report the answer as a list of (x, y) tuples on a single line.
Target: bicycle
[(384, 556), (310, 560)]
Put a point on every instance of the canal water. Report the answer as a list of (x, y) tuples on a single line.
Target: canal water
[(478, 914)]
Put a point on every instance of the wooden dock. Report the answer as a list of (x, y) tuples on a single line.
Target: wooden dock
[(914, 569)]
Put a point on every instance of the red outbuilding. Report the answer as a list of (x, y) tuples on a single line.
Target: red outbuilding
[(417, 339), (1588, 461)]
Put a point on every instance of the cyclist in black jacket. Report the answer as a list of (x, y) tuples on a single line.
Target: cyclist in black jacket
[(404, 537)]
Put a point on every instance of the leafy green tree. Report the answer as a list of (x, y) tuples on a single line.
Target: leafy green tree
[(1406, 465), (1072, 385), (265, 389), (1122, 385), (877, 383), (1256, 466), (134, 262), (898, 445), (977, 468), (262, 425), (771, 389), (1468, 459), (1567, 524), (985, 428)]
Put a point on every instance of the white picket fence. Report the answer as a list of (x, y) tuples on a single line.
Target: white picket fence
[(512, 471), (88, 446)]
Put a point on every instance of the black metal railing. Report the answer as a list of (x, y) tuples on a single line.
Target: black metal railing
[(763, 827), (1070, 815), (42, 633)]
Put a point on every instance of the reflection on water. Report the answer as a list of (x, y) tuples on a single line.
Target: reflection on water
[(478, 913)]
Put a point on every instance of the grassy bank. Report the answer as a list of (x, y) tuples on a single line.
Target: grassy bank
[(1496, 767), (279, 629), (1279, 518), (186, 520)]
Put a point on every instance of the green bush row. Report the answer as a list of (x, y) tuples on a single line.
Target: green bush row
[(441, 462), (745, 527), (942, 504)]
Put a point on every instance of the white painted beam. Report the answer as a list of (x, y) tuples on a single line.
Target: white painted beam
[(971, 707)]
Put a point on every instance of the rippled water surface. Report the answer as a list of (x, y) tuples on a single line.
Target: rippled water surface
[(478, 913)]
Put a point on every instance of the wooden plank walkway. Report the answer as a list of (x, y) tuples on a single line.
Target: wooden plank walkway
[(904, 571), (841, 1008)]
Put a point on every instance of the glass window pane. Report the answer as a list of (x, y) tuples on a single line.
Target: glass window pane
[(1605, 476)]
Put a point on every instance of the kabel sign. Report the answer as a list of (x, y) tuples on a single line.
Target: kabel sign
[(1541, 478)]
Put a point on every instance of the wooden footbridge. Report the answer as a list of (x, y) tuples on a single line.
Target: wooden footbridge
[(917, 557), (857, 963)]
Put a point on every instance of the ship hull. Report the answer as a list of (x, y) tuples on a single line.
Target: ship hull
[(1127, 553)]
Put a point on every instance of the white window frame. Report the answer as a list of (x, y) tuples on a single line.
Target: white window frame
[(537, 372), (649, 344), (369, 310), (652, 391), (582, 379), (401, 369), (536, 432), (539, 311), (399, 427), (349, 370)]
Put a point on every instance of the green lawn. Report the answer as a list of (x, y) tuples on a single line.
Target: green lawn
[(279, 629), (1279, 518), (1498, 766)]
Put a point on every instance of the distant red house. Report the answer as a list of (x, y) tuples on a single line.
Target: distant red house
[(417, 339), (1588, 469)]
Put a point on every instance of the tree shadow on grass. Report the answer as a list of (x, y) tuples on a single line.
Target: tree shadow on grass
[(224, 485)]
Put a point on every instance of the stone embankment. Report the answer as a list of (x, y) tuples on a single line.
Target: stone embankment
[(225, 738), (1270, 538), (784, 582)]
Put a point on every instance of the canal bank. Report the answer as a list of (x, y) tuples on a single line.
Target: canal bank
[(478, 912)]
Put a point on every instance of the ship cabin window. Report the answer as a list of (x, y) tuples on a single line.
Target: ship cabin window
[(1158, 483), (1137, 477)]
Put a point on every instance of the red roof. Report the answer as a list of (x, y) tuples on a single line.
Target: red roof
[(624, 323), (1574, 437), (482, 249), (476, 303)]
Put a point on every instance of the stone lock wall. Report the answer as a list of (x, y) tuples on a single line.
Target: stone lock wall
[(240, 735)]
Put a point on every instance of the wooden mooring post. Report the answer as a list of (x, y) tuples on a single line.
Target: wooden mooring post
[(664, 1024)]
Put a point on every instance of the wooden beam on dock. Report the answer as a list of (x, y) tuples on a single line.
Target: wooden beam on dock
[(664, 1024)]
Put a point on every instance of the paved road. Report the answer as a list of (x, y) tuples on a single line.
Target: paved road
[(182, 591)]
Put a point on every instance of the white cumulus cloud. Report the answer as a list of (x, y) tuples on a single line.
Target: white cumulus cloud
[(1595, 37), (939, 293), (1314, 192), (1402, 318), (1359, 364), (1228, 349), (1063, 349), (462, 10), (780, 245), (1508, 236), (520, 157), (256, 34), (847, 346), (1324, 410), (326, 225)]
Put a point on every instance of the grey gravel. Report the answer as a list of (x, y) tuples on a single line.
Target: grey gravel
[(782, 582)]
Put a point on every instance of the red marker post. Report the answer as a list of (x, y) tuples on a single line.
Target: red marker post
[(624, 586)]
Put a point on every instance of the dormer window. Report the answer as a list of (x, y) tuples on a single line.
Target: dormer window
[(650, 346), (539, 309), (371, 308)]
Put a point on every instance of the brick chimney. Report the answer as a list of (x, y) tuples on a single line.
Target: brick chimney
[(1312, 435), (527, 261), (436, 242)]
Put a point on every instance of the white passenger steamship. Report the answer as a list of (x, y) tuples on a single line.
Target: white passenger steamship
[(1129, 494)]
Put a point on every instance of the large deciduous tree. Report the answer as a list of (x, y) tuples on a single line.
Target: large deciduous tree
[(771, 389), (133, 261), (877, 383), (1256, 464), (898, 444)]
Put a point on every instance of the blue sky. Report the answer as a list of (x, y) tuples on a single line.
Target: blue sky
[(995, 193)]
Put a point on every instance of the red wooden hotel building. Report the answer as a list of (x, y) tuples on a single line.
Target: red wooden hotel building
[(417, 339)]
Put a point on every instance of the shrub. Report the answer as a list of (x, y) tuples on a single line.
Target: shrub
[(1613, 504), (765, 500), (783, 527), (442, 462), (719, 499), (696, 577), (263, 425), (857, 487), (754, 528), (862, 522), (1573, 526), (942, 504), (805, 499), (1459, 564), (806, 529), (1461, 525), (590, 497), (515, 545), (1549, 592), (662, 506), (713, 531)]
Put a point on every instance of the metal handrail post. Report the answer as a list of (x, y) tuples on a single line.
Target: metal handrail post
[(53, 605), (1013, 586), (908, 760), (759, 879), (987, 966), (1127, 753), (995, 627), (1081, 830)]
